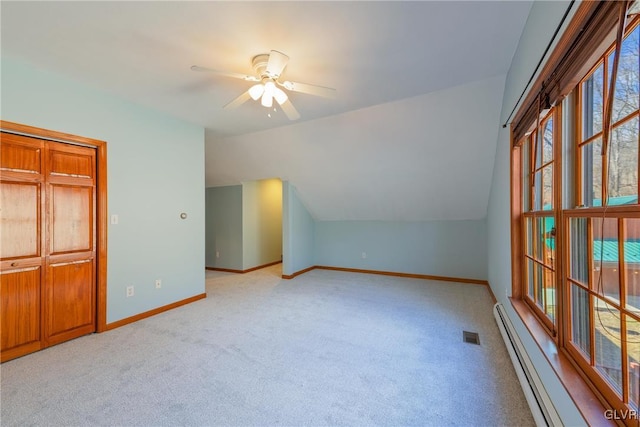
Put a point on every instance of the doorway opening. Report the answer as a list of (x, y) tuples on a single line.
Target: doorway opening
[(244, 226)]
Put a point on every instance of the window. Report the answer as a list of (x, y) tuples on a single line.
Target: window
[(576, 237)]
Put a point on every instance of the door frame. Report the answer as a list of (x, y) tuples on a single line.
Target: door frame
[(101, 203)]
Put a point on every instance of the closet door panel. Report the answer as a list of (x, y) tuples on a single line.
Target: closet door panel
[(71, 296), (20, 317), (71, 218), (78, 163), (20, 154), (20, 219)]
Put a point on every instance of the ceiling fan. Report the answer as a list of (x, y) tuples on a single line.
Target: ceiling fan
[(268, 68)]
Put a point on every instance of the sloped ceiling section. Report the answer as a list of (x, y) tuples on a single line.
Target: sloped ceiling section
[(429, 157)]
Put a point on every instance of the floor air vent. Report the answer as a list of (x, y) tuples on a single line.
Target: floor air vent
[(470, 337)]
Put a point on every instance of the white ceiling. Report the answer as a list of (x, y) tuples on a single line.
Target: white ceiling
[(362, 155)]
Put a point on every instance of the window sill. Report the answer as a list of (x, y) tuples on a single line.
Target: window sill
[(585, 399)]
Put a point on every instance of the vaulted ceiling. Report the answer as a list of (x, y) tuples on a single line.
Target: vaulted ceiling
[(410, 135)]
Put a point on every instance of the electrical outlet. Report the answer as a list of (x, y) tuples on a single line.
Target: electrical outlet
[(158, 283), (130, 292), (217, 254), (364, 255)]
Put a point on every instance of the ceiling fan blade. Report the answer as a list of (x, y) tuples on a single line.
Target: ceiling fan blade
[(244, 97), (290, 110), (226, 73), (325, 92), (276, 64)]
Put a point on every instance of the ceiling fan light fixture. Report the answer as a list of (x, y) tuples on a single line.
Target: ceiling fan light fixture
[(267, 96), (280, 96), (269, 88), (256, 91), (267, 100)]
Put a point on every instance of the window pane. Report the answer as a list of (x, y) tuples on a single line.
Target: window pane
[(547, 189), (549, 294), (623, 165), (528, 224), (633, 359), (526, 173), (537, 191), (537, 146), (632, 263), (607, 344), (530, 282), (547, 145), (592, 173), (580, 323), (578, 255), (626, 94), (592, 105), (606, 277), (540, 238), (539, 285), (549, 242)]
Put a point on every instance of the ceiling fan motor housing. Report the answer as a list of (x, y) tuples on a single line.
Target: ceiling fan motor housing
[(259, 63)]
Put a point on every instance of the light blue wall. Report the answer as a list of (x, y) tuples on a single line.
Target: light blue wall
[(261, 222), (224, 227), (155, 172), (542, 21), (440, 248), (298, 232)]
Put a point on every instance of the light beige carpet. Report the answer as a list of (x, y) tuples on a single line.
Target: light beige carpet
[(326, 348)]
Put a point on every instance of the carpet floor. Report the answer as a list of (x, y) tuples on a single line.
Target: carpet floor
[(326, 348)]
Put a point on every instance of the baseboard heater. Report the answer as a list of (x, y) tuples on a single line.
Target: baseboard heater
[(542, 408)]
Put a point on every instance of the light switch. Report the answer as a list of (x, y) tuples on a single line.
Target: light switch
[(114, 219)]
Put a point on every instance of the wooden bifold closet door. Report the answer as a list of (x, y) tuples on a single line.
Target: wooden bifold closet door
[(47, 243)]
